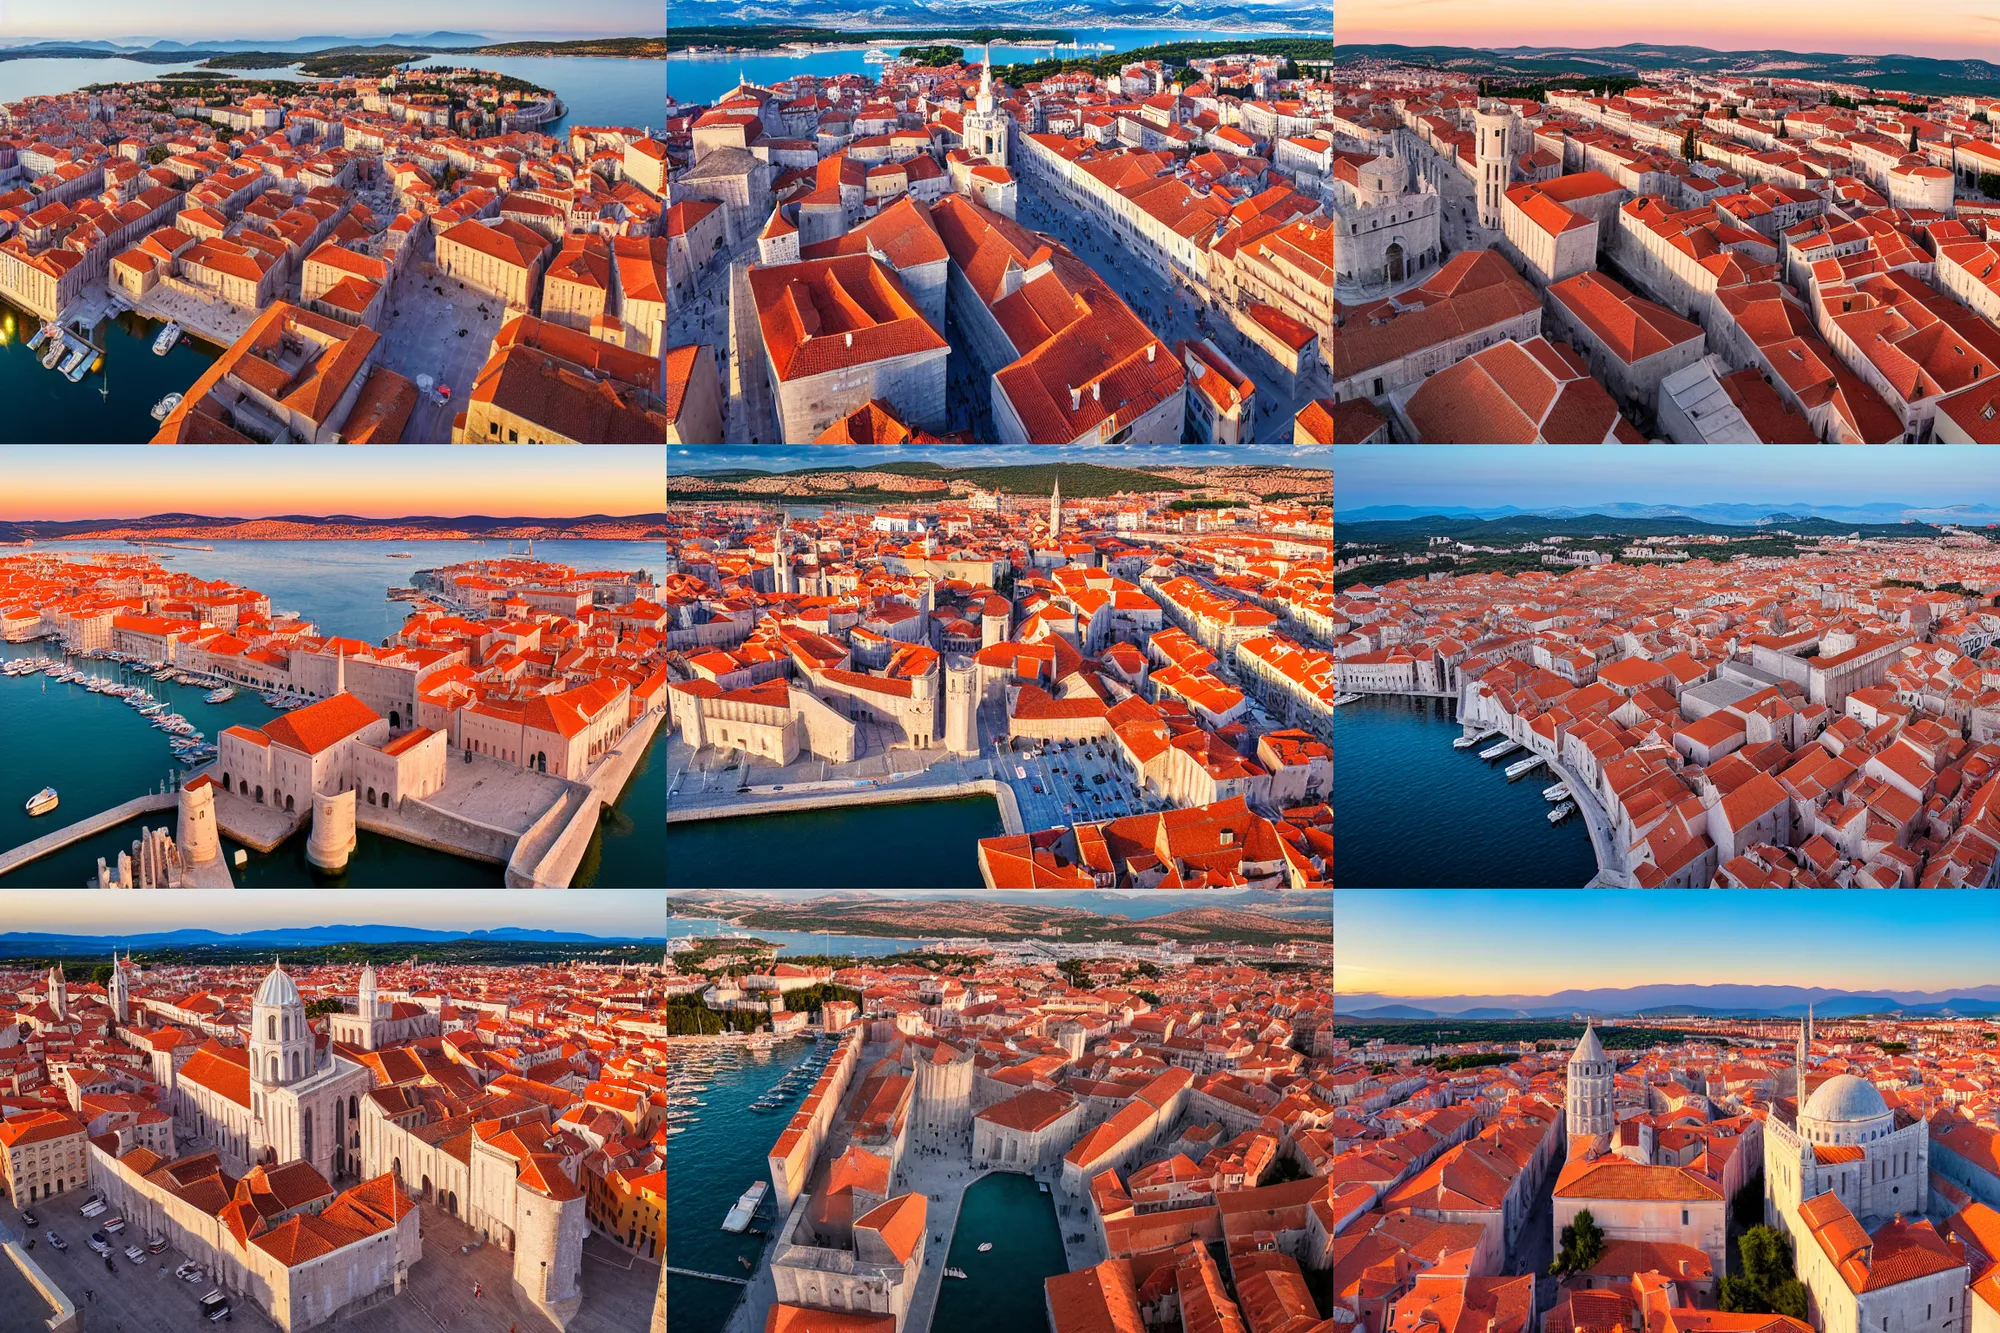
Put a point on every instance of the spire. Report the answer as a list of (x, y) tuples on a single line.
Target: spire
[(986, 71)]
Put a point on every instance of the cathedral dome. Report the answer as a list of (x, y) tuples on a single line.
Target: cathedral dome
[(1844, 1099), (277, 989)]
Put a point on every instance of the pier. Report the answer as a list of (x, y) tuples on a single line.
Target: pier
[(712, 1277), (84, 828)]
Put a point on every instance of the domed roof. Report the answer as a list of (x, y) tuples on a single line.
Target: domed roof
[(1845, 1098), (277, 988)]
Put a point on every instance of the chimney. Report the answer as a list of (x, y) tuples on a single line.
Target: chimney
[(850, 340), (1094, 396), (1075, 398), (1150, 349)]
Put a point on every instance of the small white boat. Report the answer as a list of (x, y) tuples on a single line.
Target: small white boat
[(168, 337), (166, 405), (76, 356), (1559, 792), (985, 1245), (41, 336), (954, 1272), (1495, 751), (1467, 742), (1340, 699), (221, 696), (42, 801), (53, 355), (81, 366), (1528, 765), (877, 56), (1562, 812)]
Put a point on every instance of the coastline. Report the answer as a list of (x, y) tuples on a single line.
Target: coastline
[(1002, 794)]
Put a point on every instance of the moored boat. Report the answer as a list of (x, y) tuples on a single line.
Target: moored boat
[(42, 801), (1562, 812), (1559, 792), (1523, 766), (1495, 751), (166, 405), (168, 337)]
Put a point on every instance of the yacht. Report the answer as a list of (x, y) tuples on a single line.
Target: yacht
[(1495, 751), (1559, 792), (42, 801), (1562, 812), (954, 1272), (168, 337), (166, 405), (398, 555), (877, 56), (1467, 742), (221, 696), (54, 354), (985, 1245), (1516, 769)]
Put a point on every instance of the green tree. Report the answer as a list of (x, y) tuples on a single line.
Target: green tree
[(325, 1006), (1690, 147), (156, 154), (1582, 1246), (101, 975), (1767, 1284), (1989, 184)]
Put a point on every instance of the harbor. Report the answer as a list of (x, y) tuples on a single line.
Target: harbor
[(1458, 821), (719, 1150), (113, 391)]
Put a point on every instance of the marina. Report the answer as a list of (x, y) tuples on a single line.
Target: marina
[(1496, 751), (1457, 822)]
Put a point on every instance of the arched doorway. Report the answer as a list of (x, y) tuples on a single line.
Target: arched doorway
[(424, 1192), (395, 720), (288, 803), (541, 761), (1394, 265), (260, 793), (225, 782)]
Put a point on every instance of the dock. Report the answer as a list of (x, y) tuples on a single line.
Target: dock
[(84, 828), (712, 1277)]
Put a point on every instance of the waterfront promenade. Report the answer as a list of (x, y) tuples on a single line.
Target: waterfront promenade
[(1612, 872)]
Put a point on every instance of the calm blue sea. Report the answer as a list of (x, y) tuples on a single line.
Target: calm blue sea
[(703, 79), (713, 1162), (1413, 813)]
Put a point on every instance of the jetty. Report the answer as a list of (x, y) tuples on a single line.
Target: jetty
[(712, 1277), (84, 828)]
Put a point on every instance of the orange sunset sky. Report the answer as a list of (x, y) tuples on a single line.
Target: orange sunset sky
[(1943, 28), (55, 483)]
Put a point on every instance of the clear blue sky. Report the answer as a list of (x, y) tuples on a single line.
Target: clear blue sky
[(183, 20), (1484, 476), (1422, 942), (627, 913)]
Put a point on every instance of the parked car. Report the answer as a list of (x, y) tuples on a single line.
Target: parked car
[(57, 1241), (29, 1219), (155, 1245), (189, 1271), (100, 1242), (135, 1254), (115, 1225)]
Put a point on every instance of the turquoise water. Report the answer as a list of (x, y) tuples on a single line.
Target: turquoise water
[(1002, 1289), (916, 845), (628, 850), (704, 79), (1412, 812), (594, 91), (45, 408), (45, 77), (718, 1158), (342, 586)]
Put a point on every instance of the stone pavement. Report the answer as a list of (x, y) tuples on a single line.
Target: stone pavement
[(419, 327)]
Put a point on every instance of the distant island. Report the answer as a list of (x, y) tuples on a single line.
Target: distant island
[(336, 61), (338, 527), (896, 481), (1300, 921)]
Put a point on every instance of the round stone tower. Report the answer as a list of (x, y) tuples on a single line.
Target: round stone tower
[(332, 840), (1491, 125), (1587, 1107), (197, 836), (961, 729), (548, 1251)]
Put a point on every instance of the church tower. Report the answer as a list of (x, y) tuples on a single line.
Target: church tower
[(986, 126), (120, 1001), (1055, 512), (1492, 123), (1587, 1095), (366, 996), (281, 1045), (59, 992)]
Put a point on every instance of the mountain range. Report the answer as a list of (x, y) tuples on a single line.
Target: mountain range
[(1914, 74), (1668, 999), (15, 943), (1302, 16), (1746, 515)]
